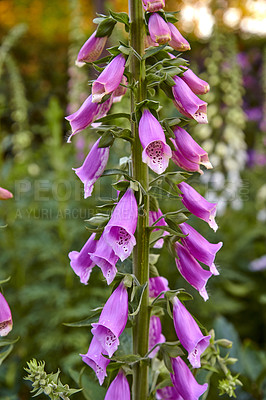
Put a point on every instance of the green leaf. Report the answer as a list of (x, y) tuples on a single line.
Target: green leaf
[(111, 117), (152, 51), (121, 186), (5, 354), (120, 17), (137, 299), (106, 140), (5, 280), (167, 361), (175, 220), (172, 349), (93, 317), (115, 171), (129, 359), (98, 220), (164, 383), (105, 27), (167, 90), (7, 342), (161, 193)]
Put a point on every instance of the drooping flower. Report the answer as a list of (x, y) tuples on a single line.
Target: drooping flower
[(119, 388), (191, 271), (148, 42), (184, 381), (153, 216), (96, 360), (119, 232), (197, 85), (5, 194), (188, 154), (168, 393), (178, 42), (109, 80), (91, 49), (106, 259), (156, 151), (93, 167), (199, 247), (86, 114), (155, 335), (157, 285), (189, 333), (153, 5), (6, 322), (198, 205), (112, 320), (120, 91), (188, 103), (81, 262), (158, 29)]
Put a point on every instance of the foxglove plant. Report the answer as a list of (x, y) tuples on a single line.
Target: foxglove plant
[(5, 317)]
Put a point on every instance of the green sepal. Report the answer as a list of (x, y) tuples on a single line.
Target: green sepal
[(5, 280), (129, 359), (98, 220), (120, 17), (121, 185), (169, 16), (105, 27), (161, 193), (167, 90), (93, 317), (136, 298), (152, 51), (172, 349), (111, 117), (106, 140), (8, 342)]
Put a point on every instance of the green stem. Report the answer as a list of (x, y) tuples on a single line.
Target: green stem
[(140, 173)]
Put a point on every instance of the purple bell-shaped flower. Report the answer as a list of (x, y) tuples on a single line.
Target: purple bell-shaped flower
[(157, 285), (96, 360), (119, 388), (155, 335), (178, 42), (6, 322), (158, 29), (91, 49), (197, 85)]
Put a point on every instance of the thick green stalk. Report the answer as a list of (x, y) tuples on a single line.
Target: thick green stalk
[(140, 173)]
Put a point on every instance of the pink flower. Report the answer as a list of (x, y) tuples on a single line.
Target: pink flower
[(91, 49), (153, 5), (6, 322), (119, 388), (178, 42), (120, 91), (155, 335), (5, 194), (158, 29), (157, 285), (197, 85), (153, 216), (96, 360)]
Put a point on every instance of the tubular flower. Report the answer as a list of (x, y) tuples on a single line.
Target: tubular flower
[(106, 259), (153, 5), (198, 205), (153, 216), (93, 167), (109, 80), (156, 152), (120, 91), (86, 114), (178, 42), (157, 285), (91, 49), (148, 42), (158, 29), (5, 194), (197, 85), (6, 322), (81, 262), (188, 154), (168, 393), (191, 271), (119, 388), (155, 335), (184, 381), (119, 232), (199, 247), (189, 333), (188, 103), (96, 360)]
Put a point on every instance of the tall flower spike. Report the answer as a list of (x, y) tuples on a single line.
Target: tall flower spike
[(5, 194), (191, 271), (112, 320), (188, 103), (198, 205), (6, 322), (199, 247), (189, 333), (153, 216), (188, 154), (157, 285), (119, 388), (93, 167), (155, 335), (96, 360), (153, 5), (109, 79), (81, 262), (168, 393), (156, 152), (178, 42), (197, 85), (119, 232), (91, 49), (184, 381), (106, 259), (158, 29)]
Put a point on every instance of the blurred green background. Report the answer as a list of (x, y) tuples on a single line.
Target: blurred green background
[(40, 84)]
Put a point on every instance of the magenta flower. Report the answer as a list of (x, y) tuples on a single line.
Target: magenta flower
[(153, 5), (106, 259), (158, 29), (96, 360), (119, 232), (197, 85), (120, 91), (198, 205), (81, 262), (86, 114), (156, 152), (188, 154), (188, 103), (153, 216), (119, 388), (189, 333), (112, 320), (199, 247), (168, 393), (93, 167), (6, 322), (148, 42), (109, 79), (178, 42), (91, 49), (5, 194), (157, 285), (191, 271), (155, 335), (184, 381)]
